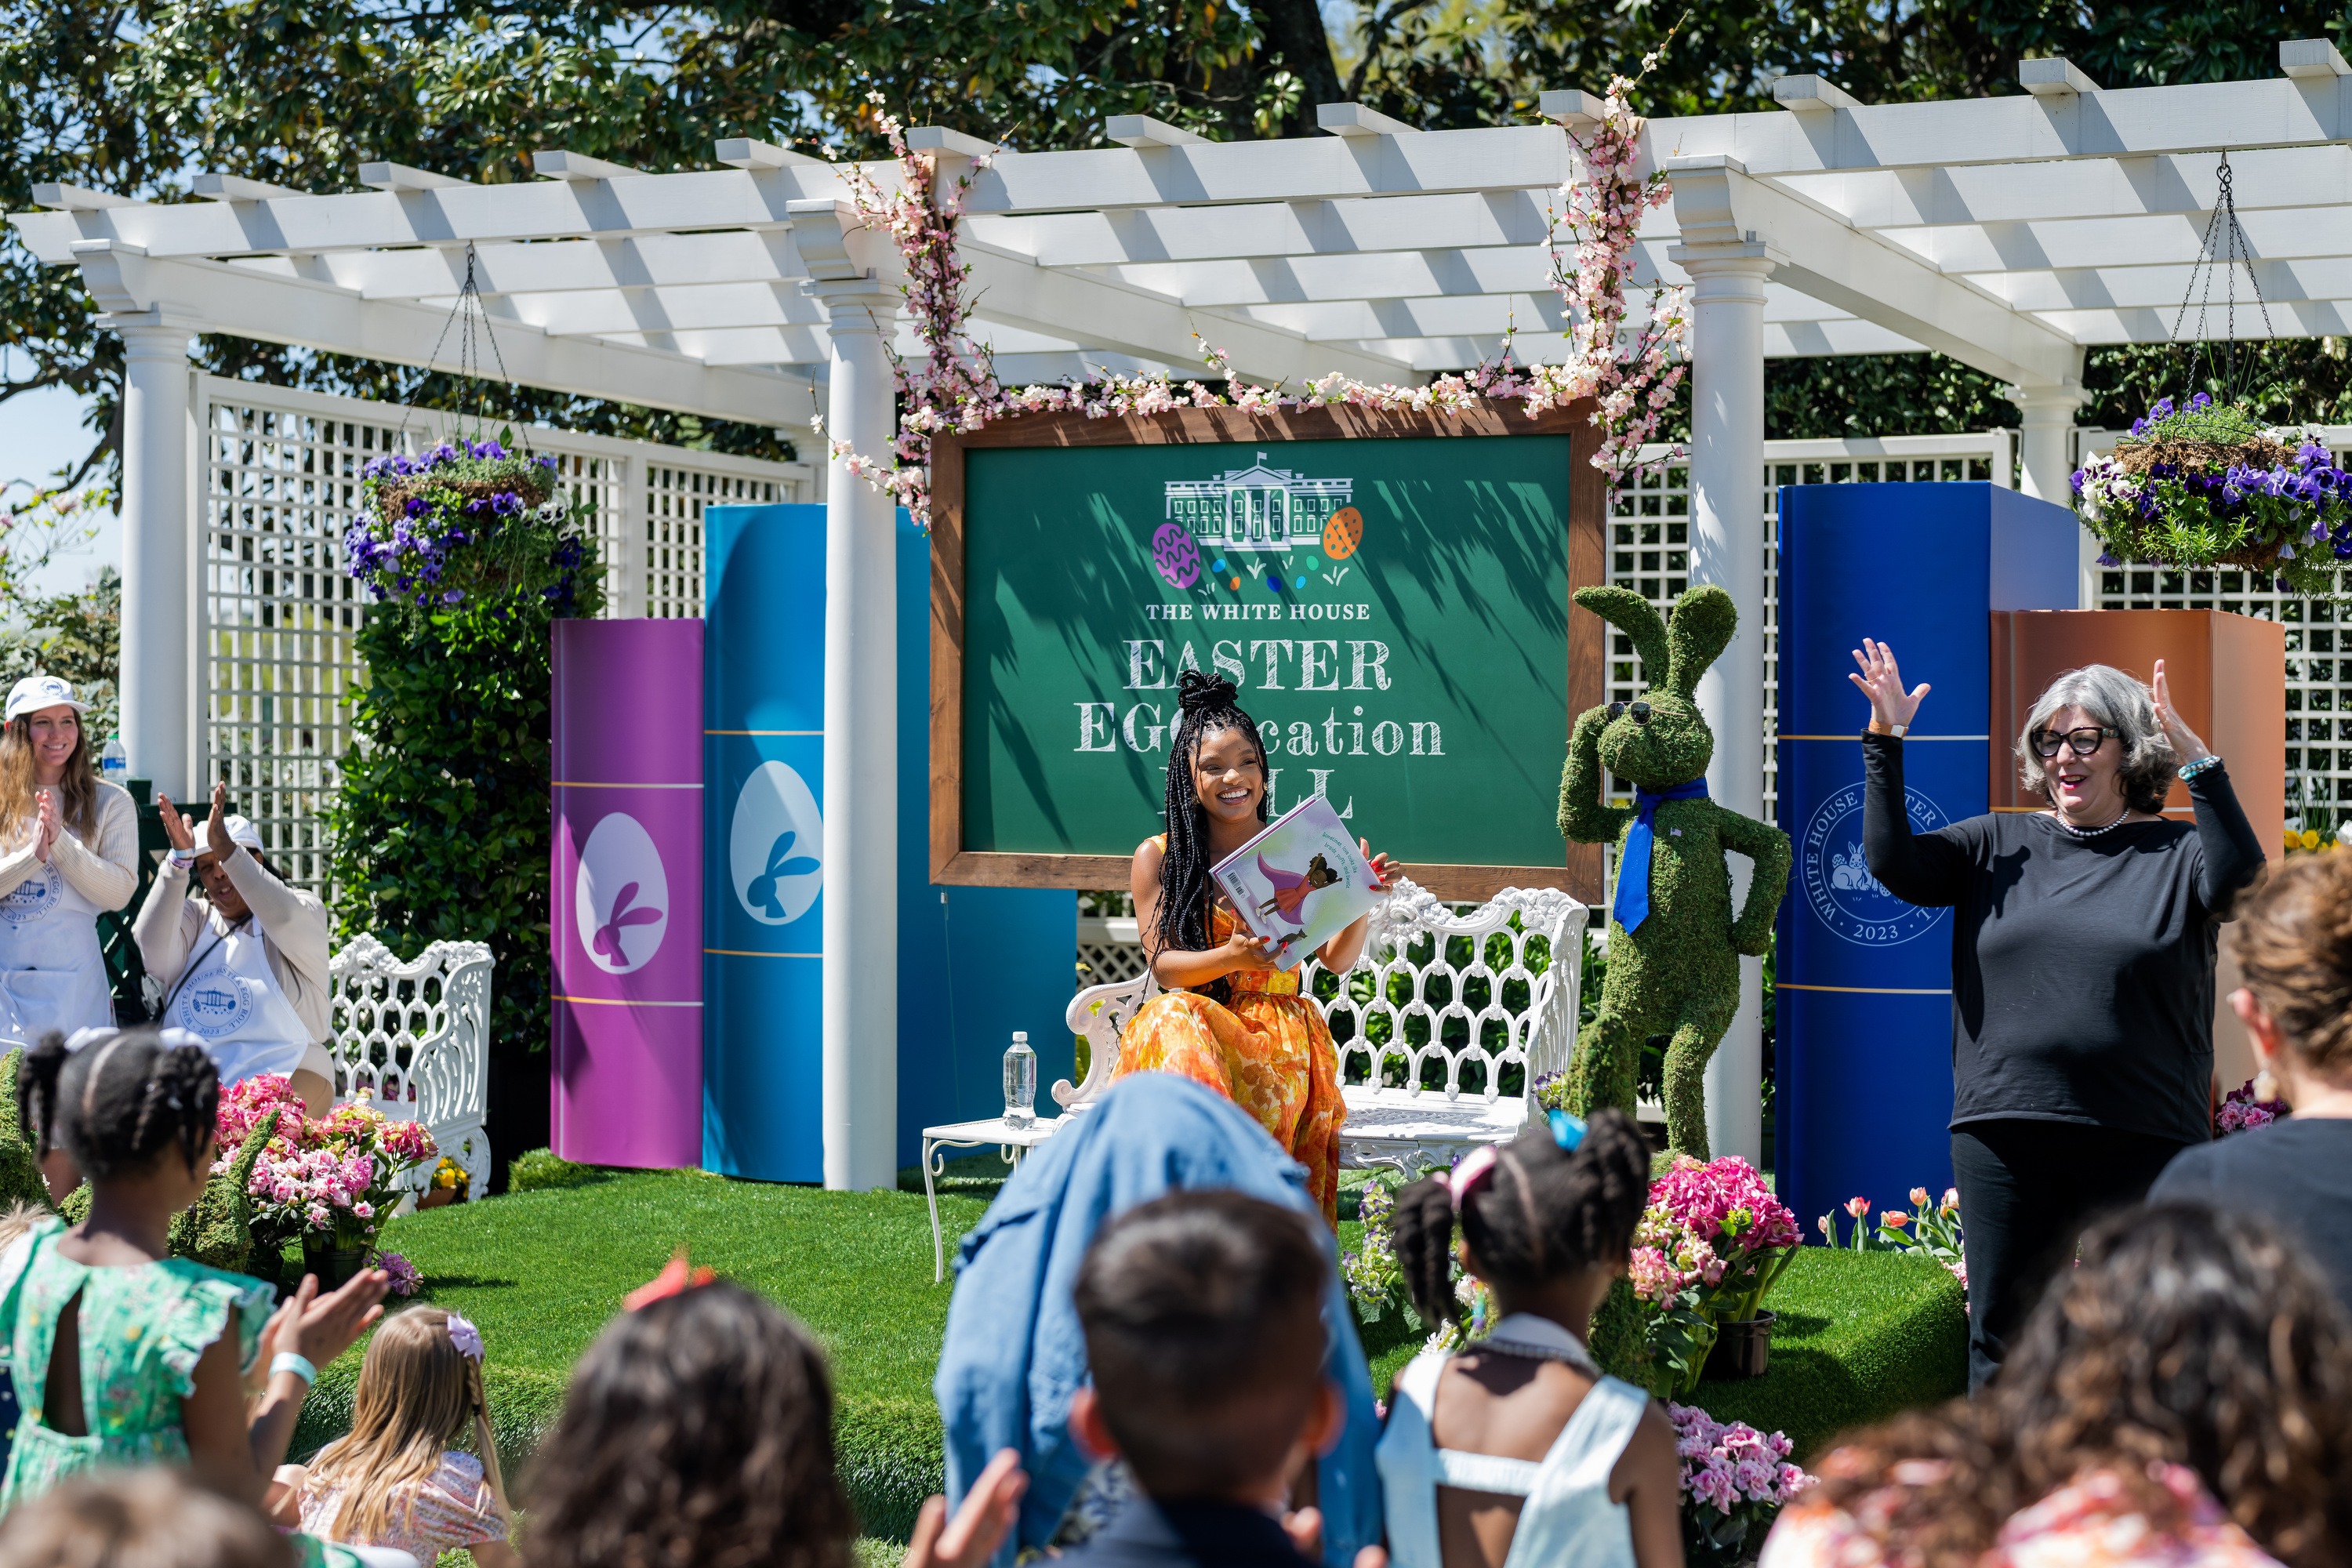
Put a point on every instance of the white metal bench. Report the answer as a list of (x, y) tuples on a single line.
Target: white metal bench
[(413, 1039), (1429, 1021)]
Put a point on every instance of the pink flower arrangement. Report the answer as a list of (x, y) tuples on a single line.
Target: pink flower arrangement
[(2243, 1110), (1734, 1479), (331, 1177), (955, 387), (1716, 1227)]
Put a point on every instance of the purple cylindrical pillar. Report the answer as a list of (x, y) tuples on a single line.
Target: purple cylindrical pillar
[(626, 897)]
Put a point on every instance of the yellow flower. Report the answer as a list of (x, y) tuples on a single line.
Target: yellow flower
[(2311, 839)]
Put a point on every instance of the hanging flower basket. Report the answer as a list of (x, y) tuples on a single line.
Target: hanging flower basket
[(2208, 485), (463, 523)]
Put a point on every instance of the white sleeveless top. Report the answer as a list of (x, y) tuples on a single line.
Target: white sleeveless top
[(1568, 1519)]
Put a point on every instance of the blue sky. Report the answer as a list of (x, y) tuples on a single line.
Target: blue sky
[(39, 433)]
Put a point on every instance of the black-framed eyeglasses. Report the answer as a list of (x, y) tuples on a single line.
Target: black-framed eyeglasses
[(2082, 741), (1641, 711)]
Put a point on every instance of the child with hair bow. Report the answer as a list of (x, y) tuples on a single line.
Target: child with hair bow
[(394, 1480)]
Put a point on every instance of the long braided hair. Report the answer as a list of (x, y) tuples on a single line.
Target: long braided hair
[(1205, 705)]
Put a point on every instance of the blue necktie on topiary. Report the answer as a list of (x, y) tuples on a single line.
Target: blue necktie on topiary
[(1632, 906)]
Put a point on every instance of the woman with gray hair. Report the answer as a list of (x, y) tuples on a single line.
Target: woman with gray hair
[(2083, 957)]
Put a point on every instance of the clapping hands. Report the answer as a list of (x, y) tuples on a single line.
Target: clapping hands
[(46, 826)]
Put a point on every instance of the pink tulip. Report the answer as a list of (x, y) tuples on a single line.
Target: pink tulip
[(1857, 1207)]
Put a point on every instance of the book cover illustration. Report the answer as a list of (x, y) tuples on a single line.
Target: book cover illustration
[(1301, 880)]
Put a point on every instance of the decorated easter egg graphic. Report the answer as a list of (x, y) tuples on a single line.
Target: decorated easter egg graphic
[(1178, 558), (1343, 533)]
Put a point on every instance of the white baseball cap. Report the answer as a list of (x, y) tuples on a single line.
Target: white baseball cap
[(242, 831), (36, 692)]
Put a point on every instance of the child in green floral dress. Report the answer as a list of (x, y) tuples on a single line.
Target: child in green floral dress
[(123, 1354)]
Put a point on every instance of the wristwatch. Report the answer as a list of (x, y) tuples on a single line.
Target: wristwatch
[(1897, 730)]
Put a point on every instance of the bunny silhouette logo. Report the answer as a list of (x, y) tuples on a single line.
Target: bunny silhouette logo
[(775, 847), (1838, 888), (621, 896)]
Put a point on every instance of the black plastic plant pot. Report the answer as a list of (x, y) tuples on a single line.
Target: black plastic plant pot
[(1742, 1349)]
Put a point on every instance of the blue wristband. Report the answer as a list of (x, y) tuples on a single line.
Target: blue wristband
[(2210, 761), (287, 1361)]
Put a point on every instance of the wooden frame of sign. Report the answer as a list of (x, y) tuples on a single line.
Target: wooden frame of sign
[(1580, 870)]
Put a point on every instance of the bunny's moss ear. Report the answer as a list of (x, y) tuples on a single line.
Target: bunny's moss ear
[(1637, 618), (1704, 620)]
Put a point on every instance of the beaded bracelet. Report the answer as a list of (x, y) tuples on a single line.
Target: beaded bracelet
[(2202, 765)]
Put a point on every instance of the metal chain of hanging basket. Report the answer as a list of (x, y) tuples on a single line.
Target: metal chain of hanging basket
[(2234, 252), (464, 316)]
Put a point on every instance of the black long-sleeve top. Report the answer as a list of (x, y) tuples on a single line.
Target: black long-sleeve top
[(2082, 968)]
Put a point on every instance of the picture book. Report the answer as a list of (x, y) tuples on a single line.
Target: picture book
[(1302, 880)]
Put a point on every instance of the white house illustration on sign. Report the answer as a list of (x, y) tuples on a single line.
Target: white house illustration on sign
[(1257, 507)]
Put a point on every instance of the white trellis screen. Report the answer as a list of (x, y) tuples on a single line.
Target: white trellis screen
[(2318, 675), (1649, 535), (276, 616)]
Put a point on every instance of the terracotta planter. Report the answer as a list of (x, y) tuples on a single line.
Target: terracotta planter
[(434, 1198), (1742, 1349)]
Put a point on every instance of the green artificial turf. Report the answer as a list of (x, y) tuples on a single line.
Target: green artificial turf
[(1859, 1336), (540, 1272)]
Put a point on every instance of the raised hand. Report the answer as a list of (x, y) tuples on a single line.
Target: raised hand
[(177, 829), (1881, 680), (1385, 871), (980, 1526), (2186, 747), (216, 838), (324, 1327), (47, 826)]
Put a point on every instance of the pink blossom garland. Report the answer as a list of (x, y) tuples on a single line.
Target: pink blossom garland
[(955, 389)]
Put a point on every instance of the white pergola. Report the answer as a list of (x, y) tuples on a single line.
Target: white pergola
[(2009, 233)]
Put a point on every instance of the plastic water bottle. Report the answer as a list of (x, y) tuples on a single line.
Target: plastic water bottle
[(1020, 1081), (114, 763)]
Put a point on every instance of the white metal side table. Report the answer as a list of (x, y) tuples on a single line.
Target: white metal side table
[(1013, 1143)]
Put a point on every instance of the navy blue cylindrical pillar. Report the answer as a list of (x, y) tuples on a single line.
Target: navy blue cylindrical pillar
[(1863, 980)]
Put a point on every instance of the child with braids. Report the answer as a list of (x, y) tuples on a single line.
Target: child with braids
[(122, 1354), (1228, 1017), (1516, 1450)]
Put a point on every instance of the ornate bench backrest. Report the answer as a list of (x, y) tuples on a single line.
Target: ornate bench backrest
[(1477, 1004), (412, 1038)]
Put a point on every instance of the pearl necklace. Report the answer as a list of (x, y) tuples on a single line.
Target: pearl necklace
[(2074, 832)]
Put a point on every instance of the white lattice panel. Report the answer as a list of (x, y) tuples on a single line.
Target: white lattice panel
[(1109, 950), (2318, 673), (277, 613), (1649, 538), (277, 616)]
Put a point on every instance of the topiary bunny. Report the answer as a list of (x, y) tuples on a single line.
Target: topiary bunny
[(1673, 967)]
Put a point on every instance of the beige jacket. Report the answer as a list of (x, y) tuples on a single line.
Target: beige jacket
[(108, 874), (292, 925)]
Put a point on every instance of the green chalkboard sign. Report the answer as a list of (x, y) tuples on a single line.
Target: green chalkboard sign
[(1391, 596)]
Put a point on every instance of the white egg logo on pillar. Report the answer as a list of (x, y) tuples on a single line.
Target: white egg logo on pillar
[(776, 845), (621, 896)]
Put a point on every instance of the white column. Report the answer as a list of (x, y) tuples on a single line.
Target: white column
[(1727, 547), (2046, 447), (156, 553), (861, 754)]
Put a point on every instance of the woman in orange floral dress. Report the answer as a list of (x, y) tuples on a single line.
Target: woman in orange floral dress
[(1228, 1018)]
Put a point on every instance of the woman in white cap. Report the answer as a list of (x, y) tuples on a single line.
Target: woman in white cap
[(244, 963), (69, 852)]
